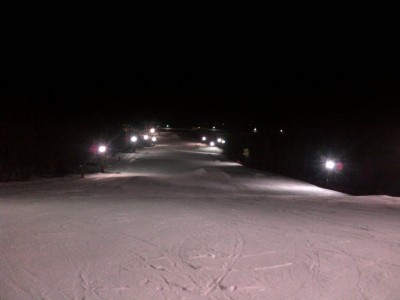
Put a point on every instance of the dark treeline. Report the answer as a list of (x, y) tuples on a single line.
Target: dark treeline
[(369, 153), (35, 143)]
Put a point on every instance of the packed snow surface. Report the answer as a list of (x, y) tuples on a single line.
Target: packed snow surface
[(180, 221)]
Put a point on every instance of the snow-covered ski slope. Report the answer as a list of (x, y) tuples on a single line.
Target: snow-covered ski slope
[(179, 221)]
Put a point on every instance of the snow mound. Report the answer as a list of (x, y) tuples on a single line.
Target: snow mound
[(210, 174), (200, 172), (258, 175), (218, 176)]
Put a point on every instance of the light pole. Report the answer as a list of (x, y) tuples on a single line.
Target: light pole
[(329, 165), (134, 140), (102, 149)]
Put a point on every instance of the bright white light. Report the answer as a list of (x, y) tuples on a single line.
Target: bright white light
[(152, 130), (223, 141), (145, 137), (102, 149), (255, 129), (213, 127), (167, 126), (203, 138), (154, 139), (330, 164), (212, 144), (281, 131), (134, 139), (219, 140)]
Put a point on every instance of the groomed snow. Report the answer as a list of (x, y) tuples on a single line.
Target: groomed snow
[(179, 221)]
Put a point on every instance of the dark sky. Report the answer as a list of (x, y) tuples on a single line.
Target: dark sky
[(295, 80)]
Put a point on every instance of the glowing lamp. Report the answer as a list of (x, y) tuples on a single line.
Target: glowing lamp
[(330, 164), (102, 149)]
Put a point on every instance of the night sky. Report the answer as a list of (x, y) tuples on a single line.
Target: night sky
[(344, 82)]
